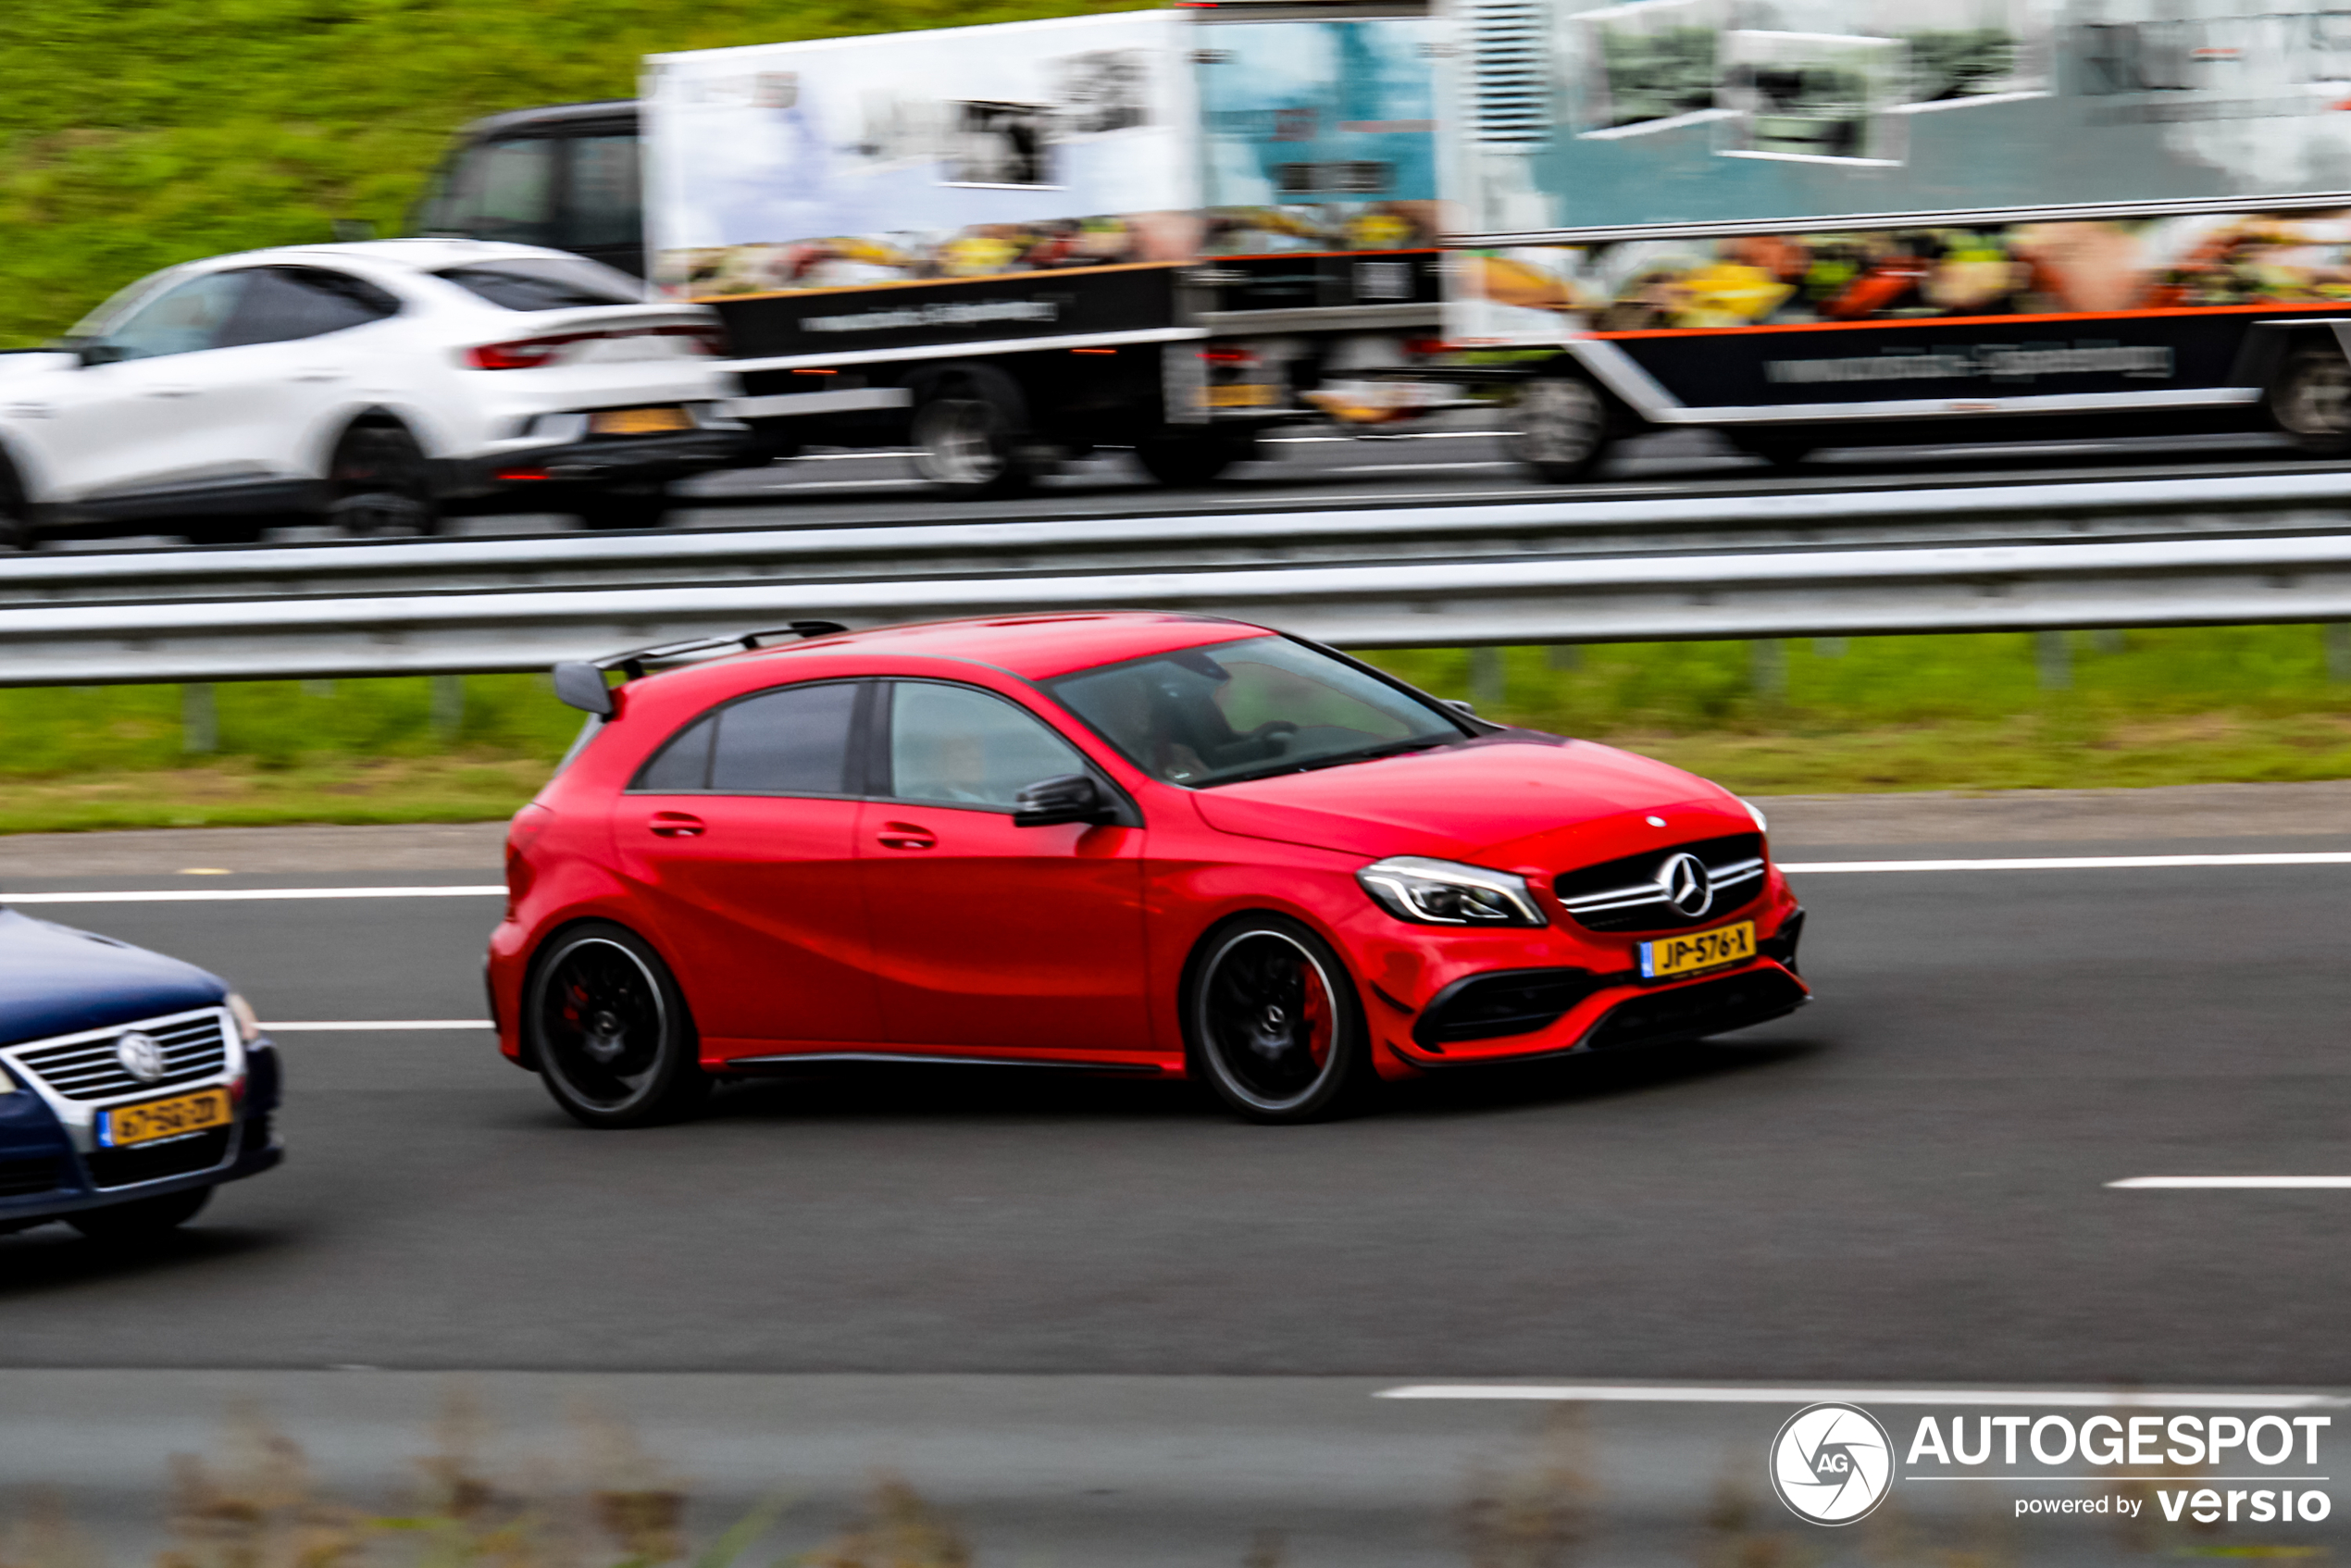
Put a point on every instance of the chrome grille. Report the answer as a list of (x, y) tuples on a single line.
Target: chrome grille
[(88, 1068), (1630, 894)]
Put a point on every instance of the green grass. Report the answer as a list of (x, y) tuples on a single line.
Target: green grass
[(2220, 704), (138, 133)]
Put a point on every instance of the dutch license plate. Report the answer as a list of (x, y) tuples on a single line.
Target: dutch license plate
[(639, 421), (1700, 949), (200, 1112), (1253, 394)]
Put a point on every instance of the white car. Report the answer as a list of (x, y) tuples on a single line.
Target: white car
[(377, 386)]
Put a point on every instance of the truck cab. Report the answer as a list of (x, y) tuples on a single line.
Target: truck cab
[(565, 175)]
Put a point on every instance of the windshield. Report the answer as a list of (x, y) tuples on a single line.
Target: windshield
[(1247, 709)]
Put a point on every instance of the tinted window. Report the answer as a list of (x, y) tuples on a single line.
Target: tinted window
[(1240, 710), (185, 319), (281, 303), (953, 746), (546, 282), (601, 207), (681, 765), (793, 742), (501, 190)]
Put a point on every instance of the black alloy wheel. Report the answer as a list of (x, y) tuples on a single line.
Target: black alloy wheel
[(970, 435), (1562, 429), (379, 484), (16, 512), (608, 1031), (142, 1219), (2310, 399), (1273, 1022), (643, 505)]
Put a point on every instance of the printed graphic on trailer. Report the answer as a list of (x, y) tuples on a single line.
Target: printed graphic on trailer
[(1833, 1463)]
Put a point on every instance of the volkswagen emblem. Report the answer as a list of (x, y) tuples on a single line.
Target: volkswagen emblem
[(141, 1056), (1687, 886)]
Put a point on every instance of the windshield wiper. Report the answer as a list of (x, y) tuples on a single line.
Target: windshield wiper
[(1311, 765)]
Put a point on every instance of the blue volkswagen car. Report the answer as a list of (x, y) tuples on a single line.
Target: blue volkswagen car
[(131, 1084)]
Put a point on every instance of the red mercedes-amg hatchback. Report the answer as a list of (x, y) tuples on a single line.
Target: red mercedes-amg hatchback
[(1159, 844)]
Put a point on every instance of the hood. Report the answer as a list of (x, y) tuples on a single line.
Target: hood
[(1493, 802), (35, 362), (56, 980)]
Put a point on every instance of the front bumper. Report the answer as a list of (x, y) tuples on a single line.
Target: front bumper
[(50, 1166)]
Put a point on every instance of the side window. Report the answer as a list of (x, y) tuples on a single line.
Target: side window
[(186, 319), (683, 766), (790, 742), (281, 303), (601, 209), (952, 746), (502, 190)]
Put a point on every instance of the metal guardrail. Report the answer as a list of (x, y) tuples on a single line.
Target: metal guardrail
[(1785, 593), (2234, 506)]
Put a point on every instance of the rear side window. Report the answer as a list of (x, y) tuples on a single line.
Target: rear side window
[(793, 740), (281, 303), (546, 282)]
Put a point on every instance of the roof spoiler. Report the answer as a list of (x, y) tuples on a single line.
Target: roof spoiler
[(580, 682)]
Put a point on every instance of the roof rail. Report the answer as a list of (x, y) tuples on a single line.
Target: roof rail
[(580, 682)]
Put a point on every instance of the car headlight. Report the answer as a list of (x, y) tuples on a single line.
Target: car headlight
[(1442, 892), (248, 1026)]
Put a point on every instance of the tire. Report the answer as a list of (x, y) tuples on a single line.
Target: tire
[(379, 484), (623, 507), (1562, 429), (17, 531), (1190, 460), (2311, 401), (142, 1219), (1272, 1024), (970, 435), (608, 1029)]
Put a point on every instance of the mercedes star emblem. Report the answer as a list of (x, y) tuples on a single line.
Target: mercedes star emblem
[(1687, 886)]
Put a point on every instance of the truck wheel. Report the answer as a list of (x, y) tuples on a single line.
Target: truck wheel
[(970, 435), (379, 484), (1562, 429), (1190, 460), (2310, 399)]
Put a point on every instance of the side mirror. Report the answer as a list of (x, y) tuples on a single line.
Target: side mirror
[(581, 685), (95, 352), (1069, 797), (1461, 706)]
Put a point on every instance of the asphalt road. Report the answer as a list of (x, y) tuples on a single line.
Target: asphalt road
[(1903, 1183)]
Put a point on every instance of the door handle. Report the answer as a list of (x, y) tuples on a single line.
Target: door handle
[(677, 825), (907, 836), (171, 391), (321, 373)]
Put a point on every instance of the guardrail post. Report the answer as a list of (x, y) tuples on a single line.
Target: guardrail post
[(1767, 667), (199, 719), (448, 706), (2337, 635), (2053, 661), (1489, 682)]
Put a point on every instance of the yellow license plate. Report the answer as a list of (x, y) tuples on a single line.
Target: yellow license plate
[(1253, 394), (639, 421), (1700, 949), (200, 1112)]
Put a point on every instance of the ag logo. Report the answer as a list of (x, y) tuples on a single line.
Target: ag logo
[(1831, 1463), (141, 1056)]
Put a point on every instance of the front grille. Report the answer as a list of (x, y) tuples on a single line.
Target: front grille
[(1712, 1007), (90, 1069), (153, 1162), (20, 1179), (1629, 894), (1511, 1002)]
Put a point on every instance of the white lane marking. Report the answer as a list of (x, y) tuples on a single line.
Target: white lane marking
[(2278, 1182), (364, 1026), (236, 895), (2072, 863), (1768, 1394)]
